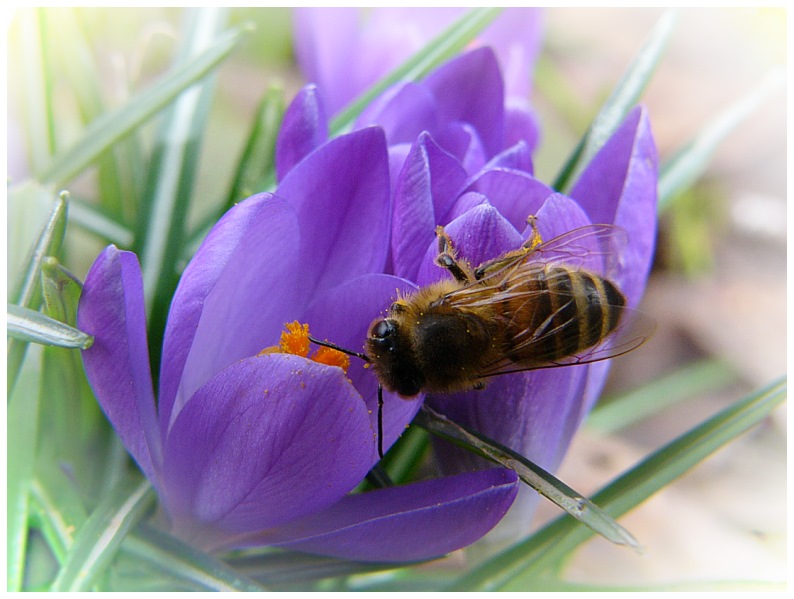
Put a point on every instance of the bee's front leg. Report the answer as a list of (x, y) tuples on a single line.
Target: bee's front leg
[(448, 258)]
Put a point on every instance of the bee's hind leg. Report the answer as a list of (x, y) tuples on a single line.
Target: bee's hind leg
[(448, 258)]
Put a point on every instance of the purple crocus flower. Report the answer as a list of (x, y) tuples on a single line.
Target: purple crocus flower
[(457, 160), (248, 448), (346, 50)]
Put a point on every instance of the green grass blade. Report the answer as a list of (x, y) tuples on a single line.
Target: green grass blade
[(113, 126), (684, 168), (179, 560), (625, 95), (36, 102), (161, 231), (57, 506), (448, 43), (31, 326), (542, 481), (99, 539), (627, 409), (70, 54), (95, 220), (27, 291), (257, 163), (23, 419), (532, 557)]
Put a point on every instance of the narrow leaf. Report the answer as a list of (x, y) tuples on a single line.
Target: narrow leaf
[(448, 43), (27, 291), (550, 545), (99, 539), (71, 57), (543, 482), (23, 419), (256, 164), (36, 101), (658, 395), (106, 130), (180, 560), (32, 326), (172, 175), (94, 220), (58, 508), (684, 168), (625, 95)]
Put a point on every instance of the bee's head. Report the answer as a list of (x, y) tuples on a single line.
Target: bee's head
[(392, 356)]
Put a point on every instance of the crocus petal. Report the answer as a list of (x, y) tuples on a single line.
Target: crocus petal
[(268, 439), (111, 309), (475, 77), (304, 128), (421, 521), (517, 157), (341, 195), (404, 111), (326, 40), (224, 308), (514, 193), (425, 192), (478, 235), (361, 301), (619, 186), (521, 125)]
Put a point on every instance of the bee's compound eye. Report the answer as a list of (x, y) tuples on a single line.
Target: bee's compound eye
[(383, 329)]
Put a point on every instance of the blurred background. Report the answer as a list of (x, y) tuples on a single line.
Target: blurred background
[(718, 290)]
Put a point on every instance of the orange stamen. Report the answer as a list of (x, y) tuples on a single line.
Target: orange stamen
[(295, 340), (332, 357)]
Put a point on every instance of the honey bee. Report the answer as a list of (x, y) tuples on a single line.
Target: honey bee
[(546, 304)]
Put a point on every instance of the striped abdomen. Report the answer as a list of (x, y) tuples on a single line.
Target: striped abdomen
[(556, 312)]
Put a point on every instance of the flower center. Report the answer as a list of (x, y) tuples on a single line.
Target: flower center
[(295, 340)]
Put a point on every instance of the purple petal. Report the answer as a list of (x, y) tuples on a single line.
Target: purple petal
[(342, 197), (478, 235), (426, 190), (517, 157), (521, 126), (620, 186), (233, 298), (514, 193), (111, 309), (474, 77), (404, 111), (516, 36), (343, 316), (407, 523), (326, 41), (303, 129), (463, 142), (268, 439)]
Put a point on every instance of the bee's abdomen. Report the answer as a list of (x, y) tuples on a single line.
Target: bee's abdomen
[(563, 312)]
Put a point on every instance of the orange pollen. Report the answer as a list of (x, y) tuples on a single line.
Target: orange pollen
[(295, 340), (332, 357)]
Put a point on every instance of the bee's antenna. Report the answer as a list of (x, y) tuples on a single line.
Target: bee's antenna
[(349, 352), (364, 357)]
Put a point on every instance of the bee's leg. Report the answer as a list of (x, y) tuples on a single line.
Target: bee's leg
[(448, 258), (513, 257), (534, 239)]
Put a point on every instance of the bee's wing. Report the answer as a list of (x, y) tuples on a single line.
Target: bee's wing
[(596, 248), (634, 329)]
